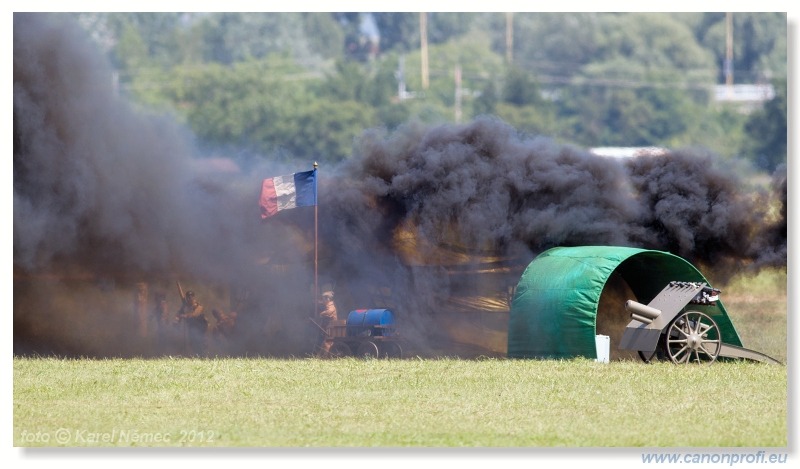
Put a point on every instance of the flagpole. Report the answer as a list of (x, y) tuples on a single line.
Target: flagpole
[(316, 248)]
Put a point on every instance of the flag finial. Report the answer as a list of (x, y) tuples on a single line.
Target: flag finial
[(315, 165)]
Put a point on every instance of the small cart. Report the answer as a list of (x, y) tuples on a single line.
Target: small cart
[(368, 333)]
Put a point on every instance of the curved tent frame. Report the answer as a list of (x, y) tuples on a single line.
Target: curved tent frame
[(554, 309)]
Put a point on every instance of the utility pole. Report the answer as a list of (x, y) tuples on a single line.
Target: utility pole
[(401, 78), (509, 37), (423, 41), (729, 52), (458, 93)]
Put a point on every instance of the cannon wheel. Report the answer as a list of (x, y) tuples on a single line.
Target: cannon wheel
[(391, 350), (368, 349), (692, 337), (340, 349)]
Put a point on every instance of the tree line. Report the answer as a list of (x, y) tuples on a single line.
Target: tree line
[(305, 85)]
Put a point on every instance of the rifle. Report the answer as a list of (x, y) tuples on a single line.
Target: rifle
[(324, 331), (180, 291), (183, 323)]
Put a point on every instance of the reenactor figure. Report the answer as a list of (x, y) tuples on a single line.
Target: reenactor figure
[(194, 321), (225, 322), (327, 316)]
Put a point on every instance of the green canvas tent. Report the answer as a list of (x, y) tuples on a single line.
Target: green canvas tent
[(554, 309)]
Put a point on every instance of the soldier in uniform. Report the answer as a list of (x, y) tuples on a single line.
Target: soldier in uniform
[(326, 316), (225, 322), (193, 317), (223, 330)]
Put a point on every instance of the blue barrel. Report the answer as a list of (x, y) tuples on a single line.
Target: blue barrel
[(370, 322)]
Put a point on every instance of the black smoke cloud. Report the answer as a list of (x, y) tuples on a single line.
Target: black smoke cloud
[(693, 207), (486, 185), (92, 179), (106, 197), (107, 194)]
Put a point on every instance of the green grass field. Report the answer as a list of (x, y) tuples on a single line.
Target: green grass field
[(758, 307), (397, 403), (416, 402)]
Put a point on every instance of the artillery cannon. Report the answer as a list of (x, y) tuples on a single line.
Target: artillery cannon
[(666, 328)]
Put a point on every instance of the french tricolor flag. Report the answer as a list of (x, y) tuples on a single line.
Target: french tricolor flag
[(285, 192)]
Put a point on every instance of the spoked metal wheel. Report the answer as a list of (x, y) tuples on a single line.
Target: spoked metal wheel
[(693, 337), (340, 349), (391, 350), (368, 349)]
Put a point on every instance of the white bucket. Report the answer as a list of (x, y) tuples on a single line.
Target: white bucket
[(603, 344)]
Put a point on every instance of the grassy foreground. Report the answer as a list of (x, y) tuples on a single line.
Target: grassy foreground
[(397, 403)]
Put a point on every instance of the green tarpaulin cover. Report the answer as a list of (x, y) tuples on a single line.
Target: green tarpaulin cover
[(554, 309)]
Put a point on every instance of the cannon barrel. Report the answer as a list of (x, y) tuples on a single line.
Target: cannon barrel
[(642, 313), (641, 319)]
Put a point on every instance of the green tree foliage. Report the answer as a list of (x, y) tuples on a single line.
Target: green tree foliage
[(533, 120), (399, 31), (521, 89), (305, 84), (328, 129), (324, 35), (640, 87), (350, 81), (131, 49), (521, 103), (766, 129), (759, 44), (262, 106), (246, 103), (470, 52), (444, 26), (620, 104), (553, 45), (487, 99), (235, 37), (655, 41)]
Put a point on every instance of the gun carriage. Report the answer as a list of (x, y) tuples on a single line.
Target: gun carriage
[(675, 327)]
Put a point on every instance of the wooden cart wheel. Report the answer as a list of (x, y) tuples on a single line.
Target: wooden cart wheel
[(368, 349), (391, 350), (340, 349), (693, 337)]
